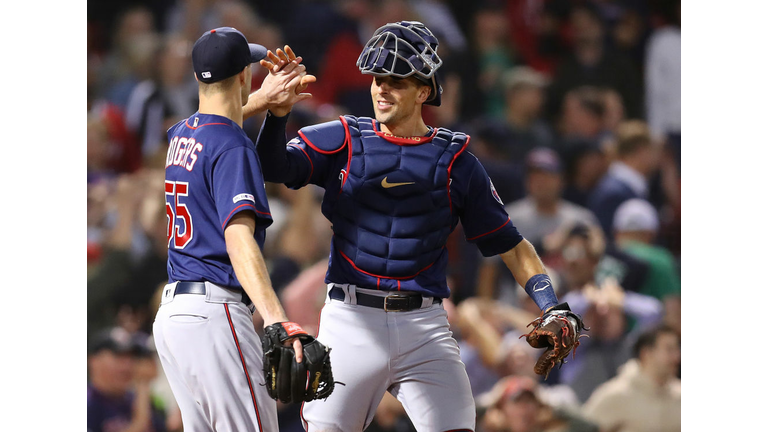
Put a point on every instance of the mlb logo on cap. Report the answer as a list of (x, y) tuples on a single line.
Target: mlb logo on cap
[(222, 53)]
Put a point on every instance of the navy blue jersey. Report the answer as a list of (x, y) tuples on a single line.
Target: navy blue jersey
[(473, 200), (212, 172)]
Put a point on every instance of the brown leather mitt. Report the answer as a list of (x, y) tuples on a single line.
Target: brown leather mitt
[(558, 330)]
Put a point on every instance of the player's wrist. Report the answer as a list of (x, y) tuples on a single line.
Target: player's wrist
[(256, 104), (539, 288), (280, 112)]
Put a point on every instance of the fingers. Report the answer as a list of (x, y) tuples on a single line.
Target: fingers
[(297, 348), (306, 79), (272, 57), (289, 51), (283, 55), (266, 64)]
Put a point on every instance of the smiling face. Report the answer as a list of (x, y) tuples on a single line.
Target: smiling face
[(397, 100)]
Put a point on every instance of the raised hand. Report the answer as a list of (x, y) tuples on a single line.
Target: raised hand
[(286, 82), (280, 59)]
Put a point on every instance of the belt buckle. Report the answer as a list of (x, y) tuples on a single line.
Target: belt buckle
[(399, 303)]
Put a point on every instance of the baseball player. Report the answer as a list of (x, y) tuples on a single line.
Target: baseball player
[(217, 215), (395, 188)]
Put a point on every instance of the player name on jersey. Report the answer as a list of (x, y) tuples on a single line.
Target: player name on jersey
[(183, 151)]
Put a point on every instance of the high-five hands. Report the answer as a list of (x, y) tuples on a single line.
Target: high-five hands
[(284, 85), (291, 79), (285, 57)]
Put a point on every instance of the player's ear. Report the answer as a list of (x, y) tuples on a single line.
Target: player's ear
[(195, 77), (424, 92)]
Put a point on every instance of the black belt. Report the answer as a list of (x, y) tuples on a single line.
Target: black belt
[(199, 288), (394, 302)]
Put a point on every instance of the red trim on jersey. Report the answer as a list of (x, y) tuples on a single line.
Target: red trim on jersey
[(242, 360), (317, 149), (450, 166), (398, 285), (398, 279), (186, 123), (402, 140), (348, 143), (235, 209), (502, 226), (311, 165)]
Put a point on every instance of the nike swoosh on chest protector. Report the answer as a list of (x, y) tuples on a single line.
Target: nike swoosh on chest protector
[(386, 185)]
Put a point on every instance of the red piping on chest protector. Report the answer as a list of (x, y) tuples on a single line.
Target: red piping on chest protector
[(398, 279), (403, 141)]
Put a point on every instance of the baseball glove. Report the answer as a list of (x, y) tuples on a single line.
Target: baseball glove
[(286, 379), (558, 330)]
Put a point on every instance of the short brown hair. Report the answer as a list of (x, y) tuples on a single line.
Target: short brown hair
[(591, 99), (648, 338), (632, 135), (218, 86)]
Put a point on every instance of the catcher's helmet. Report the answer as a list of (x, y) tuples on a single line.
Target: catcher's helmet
[(403, 49)]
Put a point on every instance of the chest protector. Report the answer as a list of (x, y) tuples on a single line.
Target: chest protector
[(393, 214)]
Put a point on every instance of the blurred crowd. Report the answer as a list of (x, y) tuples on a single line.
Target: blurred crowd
[(574, 110)]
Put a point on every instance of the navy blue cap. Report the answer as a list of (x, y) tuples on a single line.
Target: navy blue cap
[(115, 339), (543, 158), (222, 53)]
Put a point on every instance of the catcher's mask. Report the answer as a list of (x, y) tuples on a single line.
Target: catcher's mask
[(403, 49)]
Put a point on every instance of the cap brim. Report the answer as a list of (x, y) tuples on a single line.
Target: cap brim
[(258, 52)]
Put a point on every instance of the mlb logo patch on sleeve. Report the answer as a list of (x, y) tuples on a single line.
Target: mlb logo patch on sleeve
[(495, 194), (243, 197)]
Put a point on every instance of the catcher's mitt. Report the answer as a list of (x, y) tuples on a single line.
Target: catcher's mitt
[(558, 330), (288, 380)]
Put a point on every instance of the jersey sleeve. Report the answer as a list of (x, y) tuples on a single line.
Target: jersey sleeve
[(307, 158), (320, 165), (238, 185), (483, 217)]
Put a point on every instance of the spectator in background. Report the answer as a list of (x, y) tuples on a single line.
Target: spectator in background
[(130, 58), (537, 31), (165, 97), (663, 77), (593, 63), (191, 18), (342, 82), (543, 210), (636, 225), (630, 30), (645, 396), (112, 147), (491, 347), (614, 113), (134, 256), (515, 405), (494, 56), (637, 159), (119, 395), (615, 315), (583, 117), (524, 91), (585, 164)]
